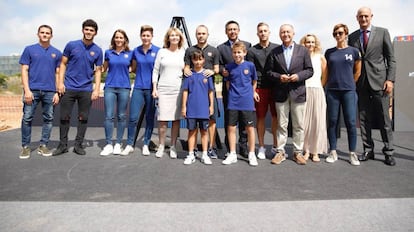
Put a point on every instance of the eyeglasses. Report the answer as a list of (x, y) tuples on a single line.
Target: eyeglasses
[(340, 33)]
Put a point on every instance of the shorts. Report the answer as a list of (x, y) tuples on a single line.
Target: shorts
[(245, 116), (192, 123), (266, 101)]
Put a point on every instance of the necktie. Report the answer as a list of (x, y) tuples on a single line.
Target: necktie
[(365, 38)]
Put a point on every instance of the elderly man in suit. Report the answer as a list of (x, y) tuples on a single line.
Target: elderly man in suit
[(288, 66), (375, 84)]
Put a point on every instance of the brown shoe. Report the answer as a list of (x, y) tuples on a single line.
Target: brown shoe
[(278, 158), (315, 158), (298, 158)]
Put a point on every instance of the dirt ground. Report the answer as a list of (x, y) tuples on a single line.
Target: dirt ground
[(10, 111)]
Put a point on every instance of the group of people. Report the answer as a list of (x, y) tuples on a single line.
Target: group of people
[(292, 80)]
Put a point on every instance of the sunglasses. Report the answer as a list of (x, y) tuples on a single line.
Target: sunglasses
[(340, 33)]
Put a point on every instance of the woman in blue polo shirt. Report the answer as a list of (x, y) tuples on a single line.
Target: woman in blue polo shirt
[(117, 87), (143, 58)]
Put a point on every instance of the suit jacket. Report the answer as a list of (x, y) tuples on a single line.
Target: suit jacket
[(300, 64), (378, 61)]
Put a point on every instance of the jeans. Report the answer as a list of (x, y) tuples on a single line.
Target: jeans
[(139, 99), (46, 98), (66, 105), (115, 97), (348, 100)]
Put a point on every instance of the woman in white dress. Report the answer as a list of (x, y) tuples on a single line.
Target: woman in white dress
[(316, 140), (166, 80)]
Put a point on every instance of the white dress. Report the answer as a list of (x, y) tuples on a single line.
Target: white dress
[(316, 139), (168, 73)]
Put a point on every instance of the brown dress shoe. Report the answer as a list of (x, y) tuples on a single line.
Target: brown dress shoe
[(278, 158), (298, 158)]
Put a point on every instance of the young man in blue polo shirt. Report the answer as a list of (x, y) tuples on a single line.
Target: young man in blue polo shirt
[(40, 64), (241, 79), (81, 62), (197, 106)]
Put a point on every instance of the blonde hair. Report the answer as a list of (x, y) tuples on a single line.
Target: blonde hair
[(318, 48), (167, 37)]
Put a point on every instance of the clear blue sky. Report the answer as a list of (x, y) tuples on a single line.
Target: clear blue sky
[(20, 18)]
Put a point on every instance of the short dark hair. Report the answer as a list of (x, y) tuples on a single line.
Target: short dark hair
[(45, 26), (231, 22), (90, 23), (197, 54)]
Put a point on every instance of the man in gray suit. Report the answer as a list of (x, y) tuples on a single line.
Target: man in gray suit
[(288, 66), (375, 84)]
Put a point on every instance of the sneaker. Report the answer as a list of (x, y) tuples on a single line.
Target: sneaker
[(190, 159), (173, 152), (60, 150), (279, 158), (333, 156), (160, 151), (212, 153), (117, 149), (252, 159), (145, 150), (298, 158), (25, 154), (353, 159), (205, 159), (262, 153), (107, 150), (230, 159), (78, 149), (43, 150), (127, 150)]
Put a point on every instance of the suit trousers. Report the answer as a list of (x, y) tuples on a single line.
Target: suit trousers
[(297, 112), (374, 105)]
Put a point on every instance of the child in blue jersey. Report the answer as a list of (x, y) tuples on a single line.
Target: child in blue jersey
[(197, 106), (241, 78)]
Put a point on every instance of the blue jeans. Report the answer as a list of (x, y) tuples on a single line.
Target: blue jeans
[(46, 98), (139, 99), (348, 100), (115, 97)]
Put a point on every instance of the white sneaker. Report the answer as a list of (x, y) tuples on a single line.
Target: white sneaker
[(173, 152), (353, 159), (107, 150), (128, 149), (160, 151), (145, 150), (252, 159), (205, 159), (230, 159), (190, 159), (117, 149), (332, 157), (262, 153)]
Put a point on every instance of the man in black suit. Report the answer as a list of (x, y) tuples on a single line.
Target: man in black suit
[(375, 84), (232, 31), (288, 66)]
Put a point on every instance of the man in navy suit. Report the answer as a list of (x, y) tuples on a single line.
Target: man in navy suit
[(375, 84), (226, 57), (288, 66)]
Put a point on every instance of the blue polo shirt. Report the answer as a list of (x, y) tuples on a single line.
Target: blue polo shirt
[(42, 66), (198, 102), (145, 65), (240, 95), (82, 61), (118, 69)]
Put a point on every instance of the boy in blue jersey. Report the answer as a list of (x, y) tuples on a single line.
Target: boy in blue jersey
[(40, 64), (241, 79), (81, 62), (197, 106)]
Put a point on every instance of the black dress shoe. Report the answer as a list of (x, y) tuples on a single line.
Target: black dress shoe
[(389, 160), (366, 156), (60, 150), (79, 150)]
